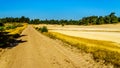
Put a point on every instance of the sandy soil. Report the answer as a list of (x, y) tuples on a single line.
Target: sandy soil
[(109, 32), (40, 51), (107, 36), (98, 28)]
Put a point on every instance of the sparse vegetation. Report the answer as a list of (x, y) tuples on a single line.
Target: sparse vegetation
[(10, 34), (105, 50), (13, 26)]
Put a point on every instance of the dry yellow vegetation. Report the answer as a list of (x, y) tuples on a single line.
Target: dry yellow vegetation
[(105, 50), (17, 30)]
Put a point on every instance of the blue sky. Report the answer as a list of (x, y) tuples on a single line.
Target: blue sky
[(58, 9)]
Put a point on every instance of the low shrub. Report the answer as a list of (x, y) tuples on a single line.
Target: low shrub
[(44, 29), (39, 29), (36, 28)]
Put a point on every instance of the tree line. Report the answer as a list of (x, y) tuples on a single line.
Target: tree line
[(17, 19), (90, 20)]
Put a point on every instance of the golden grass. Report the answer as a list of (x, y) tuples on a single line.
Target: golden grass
[(17, 30), (104, 50)]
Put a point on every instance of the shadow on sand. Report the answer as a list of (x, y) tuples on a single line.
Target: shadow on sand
[(10, 40)]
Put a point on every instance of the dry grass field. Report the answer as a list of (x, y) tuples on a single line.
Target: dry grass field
[(109, 32)]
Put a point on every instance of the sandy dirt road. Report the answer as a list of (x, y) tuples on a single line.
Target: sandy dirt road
[(40, 51)]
